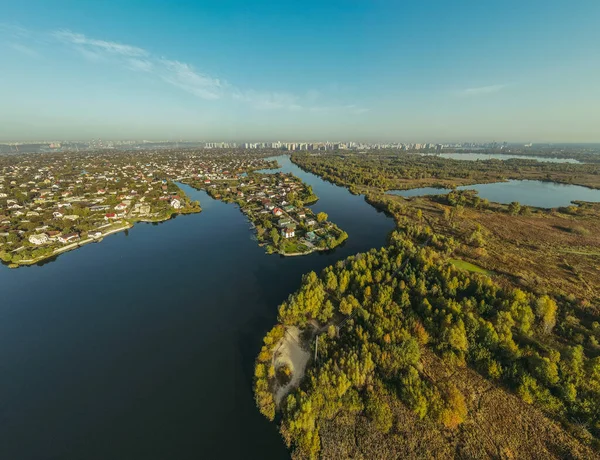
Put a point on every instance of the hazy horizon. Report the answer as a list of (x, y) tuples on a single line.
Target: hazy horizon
[(295, 140), (329, 70)]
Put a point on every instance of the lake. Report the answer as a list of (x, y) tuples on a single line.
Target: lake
[(497, 156), (142, 346), (529, 192)]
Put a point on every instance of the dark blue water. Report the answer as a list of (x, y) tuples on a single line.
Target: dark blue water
[(529, 192), (143, 346)]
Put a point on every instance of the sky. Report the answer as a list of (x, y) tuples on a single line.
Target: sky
[(408, 71)]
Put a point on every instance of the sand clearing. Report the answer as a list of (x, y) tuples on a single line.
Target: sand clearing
[(290, 352)]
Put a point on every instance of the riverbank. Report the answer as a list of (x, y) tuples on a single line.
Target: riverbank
[(30, 237), (171, 216), (96, 239), (69, 247)]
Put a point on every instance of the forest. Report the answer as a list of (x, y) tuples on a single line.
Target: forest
[(387, 170), (377, 317)]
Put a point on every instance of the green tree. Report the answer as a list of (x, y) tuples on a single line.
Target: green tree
[(322, 217), (412, 392), (514, 208), (545, 310), (275, 236), (331, 282)]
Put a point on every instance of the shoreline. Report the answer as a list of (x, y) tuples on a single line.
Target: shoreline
[(70, 247), (296, 254)]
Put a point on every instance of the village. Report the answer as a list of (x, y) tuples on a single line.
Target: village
[(276, 204), (54, 202)]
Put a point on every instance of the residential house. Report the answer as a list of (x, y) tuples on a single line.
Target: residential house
[(284, 222), (288, 232), (68, 238), (311, 236), (42, 238), (99, 207)]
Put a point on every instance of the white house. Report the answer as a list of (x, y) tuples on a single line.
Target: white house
[(287, 232), (68, 238), (42, 238), (175, 203)]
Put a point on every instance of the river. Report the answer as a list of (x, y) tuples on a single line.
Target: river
[(142, 346)]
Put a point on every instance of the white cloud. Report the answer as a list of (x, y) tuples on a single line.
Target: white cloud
[(185, 77), (142, 65), (175, 73), (91, 44), (482, 90)]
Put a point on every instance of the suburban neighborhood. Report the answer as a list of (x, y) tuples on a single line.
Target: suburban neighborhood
[(51, 203), (276, 204)]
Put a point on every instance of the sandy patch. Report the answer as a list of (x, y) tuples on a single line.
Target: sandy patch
[(291, 353)]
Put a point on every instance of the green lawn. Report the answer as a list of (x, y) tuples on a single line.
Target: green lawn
[(468, 266), (290, 247)]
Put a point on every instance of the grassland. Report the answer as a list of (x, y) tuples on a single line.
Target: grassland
[(468, 266)]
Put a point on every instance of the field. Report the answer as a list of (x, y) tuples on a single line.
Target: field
[(468, 266)]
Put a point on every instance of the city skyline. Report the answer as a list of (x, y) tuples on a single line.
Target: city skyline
[(385, 72)]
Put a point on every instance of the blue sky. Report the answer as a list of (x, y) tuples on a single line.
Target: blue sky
[(301, 70)]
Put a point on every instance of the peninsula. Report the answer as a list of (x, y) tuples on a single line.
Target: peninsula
[(277, 205)]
